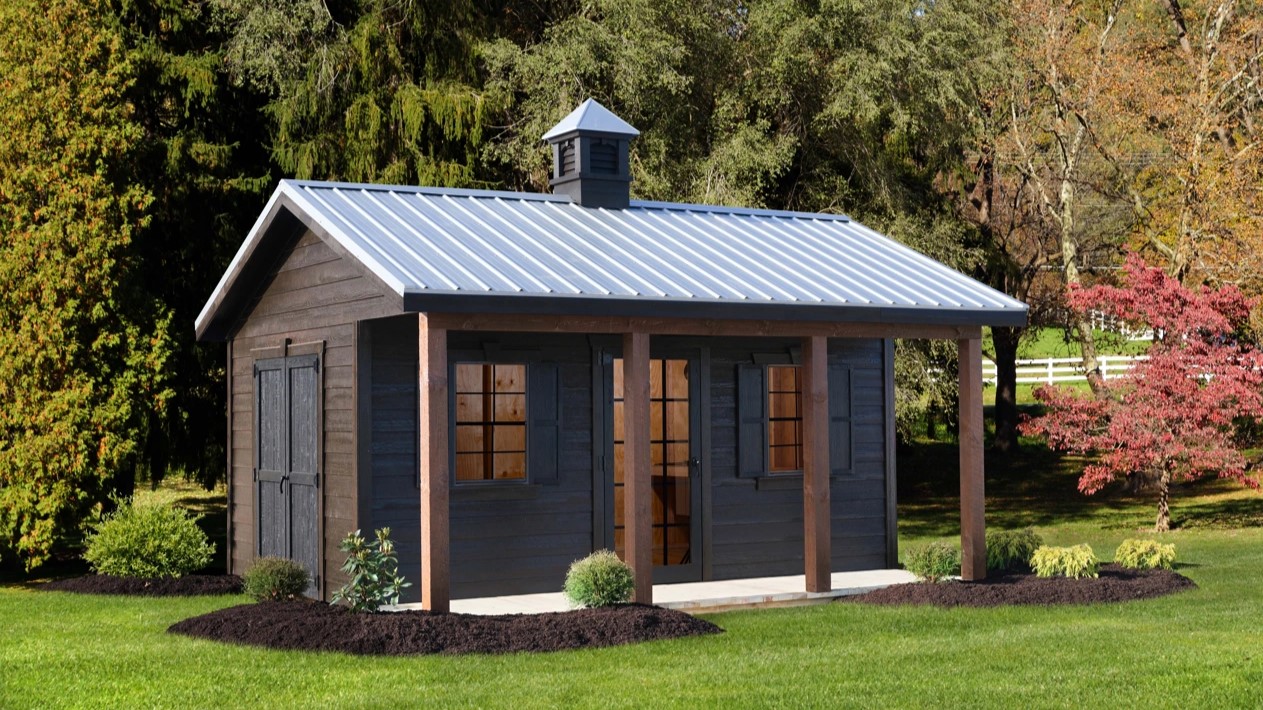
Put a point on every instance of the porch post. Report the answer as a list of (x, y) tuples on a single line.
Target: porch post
[(432, 450), (817, 539), (973, 545), (637, 482)]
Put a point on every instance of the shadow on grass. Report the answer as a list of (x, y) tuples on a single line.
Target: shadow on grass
[(1038, 487), (1219, 515)]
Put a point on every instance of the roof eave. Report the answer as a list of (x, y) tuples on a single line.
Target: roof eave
[(520, 304)]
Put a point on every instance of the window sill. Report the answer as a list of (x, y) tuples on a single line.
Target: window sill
[(507, 490), (779, 481)]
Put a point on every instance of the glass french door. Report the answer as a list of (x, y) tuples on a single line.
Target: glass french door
[(674, 462)]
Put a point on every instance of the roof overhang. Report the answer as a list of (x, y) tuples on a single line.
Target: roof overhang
[(288, 215)]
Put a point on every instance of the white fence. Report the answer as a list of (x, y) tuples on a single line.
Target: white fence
[(1101, 321), (1062, 369)]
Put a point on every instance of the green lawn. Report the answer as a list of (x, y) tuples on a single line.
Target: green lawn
[(1200, 648)]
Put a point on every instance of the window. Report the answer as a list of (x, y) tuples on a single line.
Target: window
[(770, 419), (490, 422), (784, 419)]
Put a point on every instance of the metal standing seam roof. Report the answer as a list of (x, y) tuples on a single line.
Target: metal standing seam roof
[(451, 242)]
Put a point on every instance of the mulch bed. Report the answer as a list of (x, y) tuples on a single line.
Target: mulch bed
[(1116, 584), (190, 585), (315, 626)]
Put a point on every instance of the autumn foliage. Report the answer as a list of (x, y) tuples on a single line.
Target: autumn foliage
[(1174, 416)]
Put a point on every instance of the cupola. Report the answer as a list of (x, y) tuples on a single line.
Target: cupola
[(590, 164)]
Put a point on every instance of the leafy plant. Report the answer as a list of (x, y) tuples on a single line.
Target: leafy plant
[(1145, 554), (374, 572), (147, 541), (1011, 549), (933, 562), (275, 578), (600, 579), (1074, 562), (1174, 416)]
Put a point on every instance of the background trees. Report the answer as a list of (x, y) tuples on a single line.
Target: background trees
[(1026, 143), (85, 356)]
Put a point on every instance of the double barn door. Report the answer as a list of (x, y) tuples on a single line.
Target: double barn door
[(287, 460)]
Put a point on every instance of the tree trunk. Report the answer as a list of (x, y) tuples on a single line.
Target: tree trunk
[(1164, 511), (1070, 264), (1005, 341)]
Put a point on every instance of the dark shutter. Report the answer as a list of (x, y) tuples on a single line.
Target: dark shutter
[(839, 419), (751, 421), (543, 422)]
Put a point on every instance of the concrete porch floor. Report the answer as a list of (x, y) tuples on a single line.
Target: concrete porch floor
[(702, 596)]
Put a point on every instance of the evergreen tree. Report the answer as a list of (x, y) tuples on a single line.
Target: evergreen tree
[(79, 368), (365, 90)]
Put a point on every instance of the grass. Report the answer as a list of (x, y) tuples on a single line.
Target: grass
[(62, 650), (1040, 343)]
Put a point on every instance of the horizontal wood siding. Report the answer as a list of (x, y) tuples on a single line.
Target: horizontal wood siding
[(756, 528), (313, 295), (507, 538)]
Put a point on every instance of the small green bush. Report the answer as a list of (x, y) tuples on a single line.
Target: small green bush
[(1074, 562), (274, 579), (933, 562), (600, 579), (1011, 550), (1145, 554), (374, 572), (148, 542)]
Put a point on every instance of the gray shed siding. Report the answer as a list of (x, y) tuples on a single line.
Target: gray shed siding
[(313, 295), (757, 524), (519, 538), (507, 538)]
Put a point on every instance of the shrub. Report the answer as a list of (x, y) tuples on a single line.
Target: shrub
[(1145, 554), (600, 579), (1074, 562), (147, 541), (933, 562), (274, 579), (1012, 549), (374, 572)]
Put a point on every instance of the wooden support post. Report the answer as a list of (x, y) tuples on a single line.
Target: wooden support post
[(973, 544), (817, 537), (432, 395), (637, 465)]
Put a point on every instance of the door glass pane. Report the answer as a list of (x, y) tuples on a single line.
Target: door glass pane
[(669, 455)]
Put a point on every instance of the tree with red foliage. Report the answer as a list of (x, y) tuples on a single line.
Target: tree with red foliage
[(1174, 416)]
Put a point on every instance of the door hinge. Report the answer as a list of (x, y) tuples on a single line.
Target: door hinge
[(254, 474), (255, 369)]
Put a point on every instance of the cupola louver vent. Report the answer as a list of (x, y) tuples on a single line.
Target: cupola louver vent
[(590, 157)]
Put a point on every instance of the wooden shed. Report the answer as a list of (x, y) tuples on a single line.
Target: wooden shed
[(511, 381)]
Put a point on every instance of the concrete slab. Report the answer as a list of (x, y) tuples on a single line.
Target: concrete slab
[(699, 597)]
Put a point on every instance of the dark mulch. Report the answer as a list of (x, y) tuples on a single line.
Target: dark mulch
[(191, 585), (314, 626), (1116, 584)]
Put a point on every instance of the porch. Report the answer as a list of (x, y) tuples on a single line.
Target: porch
[(702, 597)]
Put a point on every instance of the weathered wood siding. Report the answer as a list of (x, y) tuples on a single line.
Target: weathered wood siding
[(507, 538), (313, 295), (757, 524)]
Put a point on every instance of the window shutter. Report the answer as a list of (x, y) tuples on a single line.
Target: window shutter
[(543, 423), (839, 419), (751, 421)]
